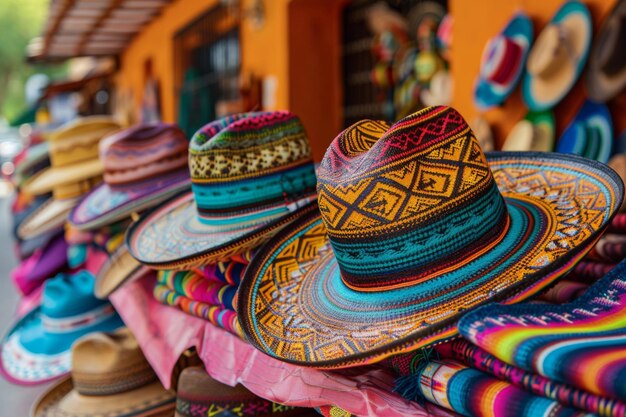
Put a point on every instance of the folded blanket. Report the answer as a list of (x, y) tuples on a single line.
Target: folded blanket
[(216, 314), (228, 272), (473, 393), (198, 288), (582, 343)]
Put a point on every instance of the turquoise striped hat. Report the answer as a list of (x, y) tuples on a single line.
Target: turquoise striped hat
[(251, 173)]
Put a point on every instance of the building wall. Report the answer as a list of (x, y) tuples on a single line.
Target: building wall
[(478, 20)]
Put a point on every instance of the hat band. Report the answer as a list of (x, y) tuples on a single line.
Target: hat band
[(223, 201), (503, 60), (150, 182), (75, 189), (128, 378), (136, 177), (77, 322), (247, 408), (415, 255)]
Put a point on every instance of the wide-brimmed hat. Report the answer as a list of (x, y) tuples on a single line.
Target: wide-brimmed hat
[(590, 134), (533, 133), (118, 270), (250, 175), (35, 158), (558, 56), (75, 169), (143, 166), (415, 227), (502, 62), (110, 377), (198, 391), (37, 348), (46, 262), (606, 76), (439, 91)]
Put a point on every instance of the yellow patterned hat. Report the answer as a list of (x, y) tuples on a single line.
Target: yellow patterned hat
[(415, 227)]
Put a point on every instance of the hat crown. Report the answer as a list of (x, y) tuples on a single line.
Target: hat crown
[(142, 152), (407, 200), (106, 364), (501, 59), (249, 160), (68, 295), (550, 51), (612, 58)]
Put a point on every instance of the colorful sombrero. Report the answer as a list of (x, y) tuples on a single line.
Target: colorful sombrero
[(415, 227), (558, 56), (37, 348), (534, 133), (143, 166), (590, 134), (110, 377), (251, 173), (606, 77), (502, 62)]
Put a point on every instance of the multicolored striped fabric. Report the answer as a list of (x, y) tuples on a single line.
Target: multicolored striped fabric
[(611, 248), (590, 271), (563, 292), (567, 395), (582, 343), (216, 314), (197, 288), (472, 393), (229, 272), (618, 224)]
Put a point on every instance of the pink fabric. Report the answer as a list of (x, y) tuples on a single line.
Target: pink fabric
[(29, 302), (165, 333)]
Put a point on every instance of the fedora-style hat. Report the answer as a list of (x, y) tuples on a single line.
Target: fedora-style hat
[(250, 175), (533, 133), (75, 169), (120, 268), (198, 393), (606, 76), (590, 134), (415, 227), (502, 62), (110, 377), (37, 348), (143, 166), (558, 56)]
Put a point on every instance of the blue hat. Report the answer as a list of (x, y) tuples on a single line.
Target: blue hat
[(590, 134), (37, 348), (557, 57), (503, 61)]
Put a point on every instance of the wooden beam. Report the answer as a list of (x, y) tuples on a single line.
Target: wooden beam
[(55, 25), (103, 17)]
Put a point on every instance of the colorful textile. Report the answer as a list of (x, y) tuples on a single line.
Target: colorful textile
[(590, 271), (567, 395), (472, 393), (416, 227), (229, 272), (611, 248), (198, 288), (564, 292), (618, 224), (216, 314), (582, 343)]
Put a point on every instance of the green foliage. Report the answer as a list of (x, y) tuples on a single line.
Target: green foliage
[(20, 21)]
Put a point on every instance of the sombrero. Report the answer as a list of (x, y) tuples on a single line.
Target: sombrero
[(590, 134), (35, 159), (606, 77), (534, 133), (37, 348), (416, 227), (75, 169), (558, 56), (250, 175), (118, 270), (502, 62), (198, 391), (143, 166), (110, 377)]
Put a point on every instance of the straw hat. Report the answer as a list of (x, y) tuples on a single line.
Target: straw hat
[(415, 228), (606, 77), (110, 377), (558, 56), (118, 270), (534, 133)]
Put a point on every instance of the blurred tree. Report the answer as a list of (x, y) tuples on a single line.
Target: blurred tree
[(20, 21)]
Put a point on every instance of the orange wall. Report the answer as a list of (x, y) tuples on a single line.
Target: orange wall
[(475, 22)]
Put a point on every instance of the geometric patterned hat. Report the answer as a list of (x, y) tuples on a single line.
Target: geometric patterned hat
[(250, 175), (143, 166), (415, 227)]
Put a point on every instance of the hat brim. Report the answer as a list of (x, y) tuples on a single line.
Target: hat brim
[(172, 237), (544, 121), (600, 86), (150, 400), (118, 270), (294, 306), (21, 366), (542, 93), (54, 176), (104, 205), (486, 93), (49, 217), (575, 139)]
